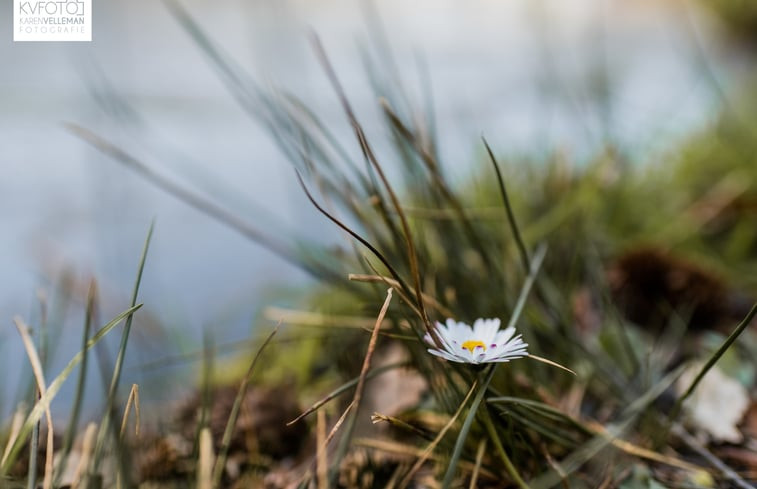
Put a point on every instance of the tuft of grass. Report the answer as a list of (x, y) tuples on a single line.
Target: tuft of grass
[(454, 248)]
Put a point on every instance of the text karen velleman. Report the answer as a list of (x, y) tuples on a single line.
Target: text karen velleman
[(61, 20)]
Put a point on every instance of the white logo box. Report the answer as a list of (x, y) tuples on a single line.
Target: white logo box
[(52, 20)]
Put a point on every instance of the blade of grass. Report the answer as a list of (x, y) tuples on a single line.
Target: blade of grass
[(525, 260), (550, 362), (73, 421), (479, 459), (107, 425), (711, 361), (88, 446), (223, 451), (728, 472), (199, 202), (485, 378), (377, 278), (133, 399), (31, 471), (400, 424), (352, 233), (409, 451), (53, 388), (322, 466), (205, 460), (534, 268), (509, 467), (16, 423), (39, 376), (345, 387)]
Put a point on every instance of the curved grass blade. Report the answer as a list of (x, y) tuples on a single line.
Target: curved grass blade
[(223, 451), (712, 360), (492, 431), (525, 260), (352, 233)]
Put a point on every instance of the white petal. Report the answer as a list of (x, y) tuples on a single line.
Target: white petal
[(428, 339), (484, 330), (504, 336), (443, 354)]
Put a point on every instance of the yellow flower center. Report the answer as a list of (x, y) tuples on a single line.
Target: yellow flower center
[(471, 345)]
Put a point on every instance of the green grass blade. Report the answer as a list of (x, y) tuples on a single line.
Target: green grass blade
[(223, 451), (510, 215), (109, 417), (458, 450), (509, 467), (73, 422), (712, 360)]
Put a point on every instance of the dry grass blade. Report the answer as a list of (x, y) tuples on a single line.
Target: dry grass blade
[(403, 295), (16, 423), (39, 376), (321, 466), (477, 468), (398, 423), (378, 278), (88, 446), (550, 362), (132, 400), (432, 446), (205, 460), (641, 452), (355, 404), (410, 452)]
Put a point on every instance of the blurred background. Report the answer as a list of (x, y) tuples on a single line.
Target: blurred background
[(533, 76)]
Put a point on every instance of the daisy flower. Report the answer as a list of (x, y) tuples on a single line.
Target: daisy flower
[(483, 343)]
